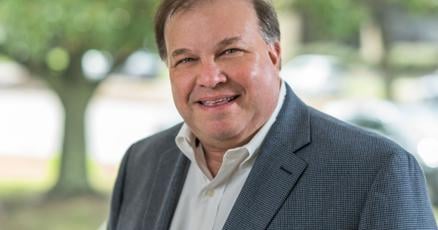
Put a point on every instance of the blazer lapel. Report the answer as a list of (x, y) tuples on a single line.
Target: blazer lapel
[(175, 163), (276, 170)]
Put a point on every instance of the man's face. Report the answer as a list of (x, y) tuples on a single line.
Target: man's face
[(224, 76)]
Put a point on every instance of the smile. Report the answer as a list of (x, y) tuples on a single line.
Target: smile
[(217, 101)]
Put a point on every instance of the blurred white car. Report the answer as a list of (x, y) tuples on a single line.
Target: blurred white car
[(12, 74), (142, 64), (429, 88), (314, 74)]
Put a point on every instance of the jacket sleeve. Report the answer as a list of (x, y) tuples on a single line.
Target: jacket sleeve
[(398, 198), (117, 195)]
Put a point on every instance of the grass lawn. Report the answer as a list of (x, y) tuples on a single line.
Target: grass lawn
[(436, 214), (67, 214), (23, 206)]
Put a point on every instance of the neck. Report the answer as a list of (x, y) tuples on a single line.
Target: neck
[(214, 160), (214, 155)]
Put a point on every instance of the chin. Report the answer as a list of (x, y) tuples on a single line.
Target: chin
[(223, 133)]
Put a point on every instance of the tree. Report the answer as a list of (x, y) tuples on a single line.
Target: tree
[(377, 15), (341, 20), (51, 37), (325, 20)]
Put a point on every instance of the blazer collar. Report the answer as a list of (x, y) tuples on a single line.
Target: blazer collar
[(276, 170), (175, 163)]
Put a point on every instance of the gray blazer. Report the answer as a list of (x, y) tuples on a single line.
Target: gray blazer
[(313, 172)]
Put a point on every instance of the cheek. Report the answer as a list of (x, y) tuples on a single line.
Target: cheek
[(258, 79), (182, 86), (244, 72)]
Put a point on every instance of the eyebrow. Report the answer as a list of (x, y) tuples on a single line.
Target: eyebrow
[(223, 43), (179, 52), (228, 41)]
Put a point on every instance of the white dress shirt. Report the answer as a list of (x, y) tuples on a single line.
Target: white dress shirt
[(206, 201)]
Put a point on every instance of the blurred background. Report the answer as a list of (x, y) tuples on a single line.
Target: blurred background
[(81, 80)]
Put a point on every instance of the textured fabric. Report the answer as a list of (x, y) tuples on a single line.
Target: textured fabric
[(312, 172), (205, 202)]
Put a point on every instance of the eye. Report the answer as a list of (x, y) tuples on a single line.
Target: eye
[(184, 60), (231, 51)]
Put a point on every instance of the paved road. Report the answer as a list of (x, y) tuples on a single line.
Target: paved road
[(31, 123)]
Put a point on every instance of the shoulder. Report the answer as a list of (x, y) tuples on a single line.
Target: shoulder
[(341, 139), (342, 153), (344, 133), (153, 146)]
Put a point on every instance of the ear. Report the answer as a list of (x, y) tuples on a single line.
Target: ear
[(275, 54)]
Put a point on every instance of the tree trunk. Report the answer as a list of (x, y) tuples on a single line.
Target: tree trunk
[(75, 93), (378, 13)]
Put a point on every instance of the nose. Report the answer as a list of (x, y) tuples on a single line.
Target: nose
[(210, 75)]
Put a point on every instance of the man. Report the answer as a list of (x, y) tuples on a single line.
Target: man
[(250, 154)]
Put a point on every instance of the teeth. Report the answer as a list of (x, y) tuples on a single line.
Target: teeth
[(217, 102)]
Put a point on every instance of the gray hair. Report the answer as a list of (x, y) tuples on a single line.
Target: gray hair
[(268, 21)]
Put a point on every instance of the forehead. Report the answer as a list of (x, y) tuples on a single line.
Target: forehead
[(187, 5), (214, 18), (212, 7)]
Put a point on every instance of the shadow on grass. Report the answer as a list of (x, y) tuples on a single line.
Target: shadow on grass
[(25, 203), (25, 212), (37, 213)]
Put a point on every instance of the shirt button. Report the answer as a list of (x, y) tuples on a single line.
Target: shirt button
[(210, 193)]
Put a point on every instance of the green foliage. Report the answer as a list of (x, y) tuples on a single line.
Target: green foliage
[(283, 4), (50, 37), (332, 19), (414, 56), (29, 30), (58, 59), (420, 6), (341, 19)]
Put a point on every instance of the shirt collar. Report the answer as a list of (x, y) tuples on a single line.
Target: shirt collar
[(186, 141)]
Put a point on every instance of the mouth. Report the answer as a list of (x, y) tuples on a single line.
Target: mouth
[(214, 102)]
